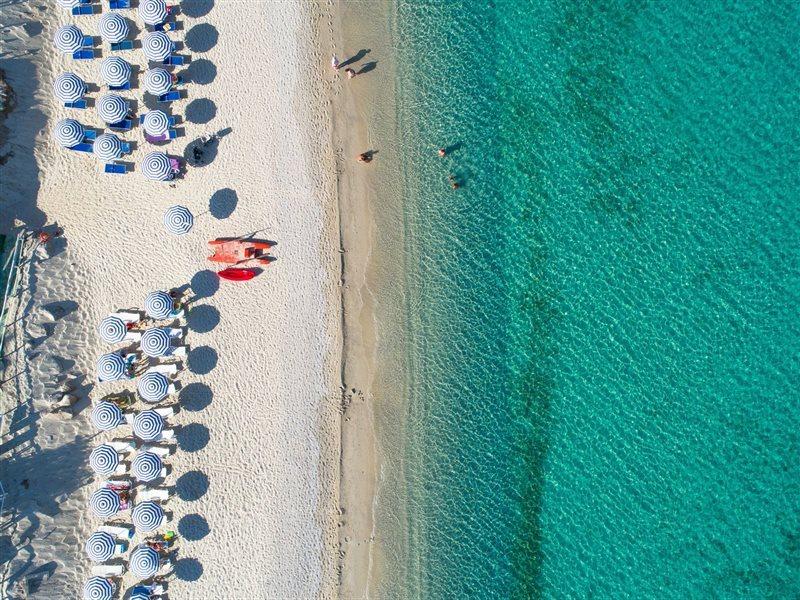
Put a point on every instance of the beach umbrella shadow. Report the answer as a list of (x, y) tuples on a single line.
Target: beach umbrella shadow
[(192, 486), (195, 397), (223, 203), (204, 284), (196, 8), (202, 319), (200, 111), (202, 360), (193, 527), (201, 72), (188, 569), (193, 437), (201, 38)]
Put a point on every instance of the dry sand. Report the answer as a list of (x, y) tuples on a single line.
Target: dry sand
[(257, 465)]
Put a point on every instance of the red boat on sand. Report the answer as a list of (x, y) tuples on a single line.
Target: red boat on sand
[(238, 274)]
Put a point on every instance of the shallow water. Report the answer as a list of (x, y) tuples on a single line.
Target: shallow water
[(602, 332)]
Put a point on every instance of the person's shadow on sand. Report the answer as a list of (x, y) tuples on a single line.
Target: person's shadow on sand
[(370, 66), (355, 58)]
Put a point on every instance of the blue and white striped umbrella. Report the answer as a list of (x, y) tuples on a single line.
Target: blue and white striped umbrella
[(157, 46), (158, 305), (111, 367), (98, 588), (100, 546), (112, 329), (112, 108), (153, 12), (157, 81), (107, 416), (156, 166), (104, 460), (155, 342), (153, 387), (146, 466), (104, 503), (115, 71), (68, 132), (68, 4), (107, 147), (178, 220), (144, 562), (139, 594), (155, 122), (68, 87), (147, 516), (113, 28), (148, 425), (68, 39)]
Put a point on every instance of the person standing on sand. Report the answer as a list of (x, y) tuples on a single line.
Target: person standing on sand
[(335, 63), (350, 73)]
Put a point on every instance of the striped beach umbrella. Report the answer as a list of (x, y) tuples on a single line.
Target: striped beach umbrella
[(157, 81), (147, 516), (115, 71), (155, 342), (155, 122), (146, 466), (68, 87), (153, 12), (157, 46), (104, 460), (156, 166), (68, 4), (111, 367), (112, 329), (98, 588), (100, 546), (140, 593), (68, 39), (113, 28), (178, 220), (153, 387), (107, 147), (158, 305), (104, 503), (148, 425), (68, 132), (112, 108), (107, 415), (144, 562)]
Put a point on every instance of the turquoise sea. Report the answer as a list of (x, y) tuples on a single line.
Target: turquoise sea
[(602, 326)]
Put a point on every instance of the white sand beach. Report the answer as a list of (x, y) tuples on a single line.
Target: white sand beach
[(256, 469)]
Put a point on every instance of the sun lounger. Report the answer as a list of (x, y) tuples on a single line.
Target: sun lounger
[(176, 168), (83, 54), (108, 570), (123, 45), (170, 96), (119, 4), (174, 332), (154, 494), (122, 469), (124, 446), (83, 9), (168, 26), (174, 61), (120, 548), (82, 148), (80, 104), (170, 369), (115, 169), (179, 351), (133, 336), (155, 139), (126, 86), (126, 147), (158, 450), (124, 125), (165, 412), (128, 317), (167, 434), (118, 531), (172, 134), (90, 134), (88, 41)]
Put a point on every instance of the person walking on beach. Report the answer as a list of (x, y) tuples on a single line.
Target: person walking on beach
[(350, 73), (335, 63)]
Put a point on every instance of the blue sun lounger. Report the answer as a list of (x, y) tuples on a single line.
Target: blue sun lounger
[(170, 96), (115, 169), (82, 148), (77, 104), (90, 134), (88, 41), (174, 61), (168, 26), (119, 4), (126, 147), (122, 125), (172, 134), (123, 45), (83, 9), (127, 86), (83, 54)]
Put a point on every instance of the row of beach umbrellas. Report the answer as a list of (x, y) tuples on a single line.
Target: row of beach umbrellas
[(114, 71), (151, 12), (156, 45)]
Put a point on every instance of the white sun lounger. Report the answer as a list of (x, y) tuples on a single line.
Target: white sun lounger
[(133, 336), (174, 332), (170, 369), (118, 531), (122, 469), (154, 494), (120, 548), (165, 566), (108, 570), (128, 317), (167, 434), (165, 412), (179, 351), (161, 451), (123, 446)]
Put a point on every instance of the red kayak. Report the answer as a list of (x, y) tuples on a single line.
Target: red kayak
[(238, 274)]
